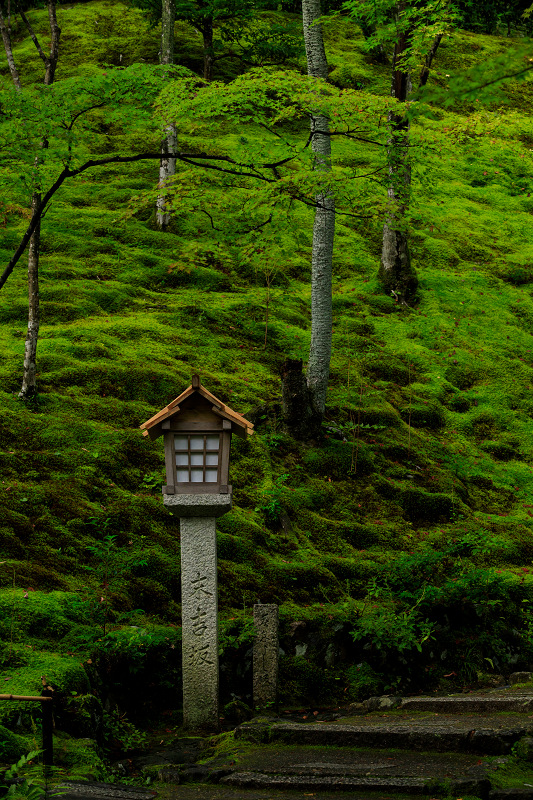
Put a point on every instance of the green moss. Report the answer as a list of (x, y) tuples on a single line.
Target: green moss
[(13, 746), (130, 312), (389, 369), (463, 376), (424, 415), (503, 450), (419, 505), (80, 757), (337, 460), (363, 682), (459, 403), (303, 682)]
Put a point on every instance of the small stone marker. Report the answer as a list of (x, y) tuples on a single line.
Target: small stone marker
[(266, 656)]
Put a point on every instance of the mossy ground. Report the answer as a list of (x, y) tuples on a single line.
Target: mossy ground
[(429, 437)]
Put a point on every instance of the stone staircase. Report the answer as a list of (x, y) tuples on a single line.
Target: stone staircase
[(477, 745)]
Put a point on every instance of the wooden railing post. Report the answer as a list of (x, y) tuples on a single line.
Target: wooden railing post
[(48, 727), (47, 704)]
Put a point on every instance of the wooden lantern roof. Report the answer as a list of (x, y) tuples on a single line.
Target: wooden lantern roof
[(153, 427)]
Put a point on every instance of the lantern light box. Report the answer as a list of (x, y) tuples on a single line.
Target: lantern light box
[(197, 429)]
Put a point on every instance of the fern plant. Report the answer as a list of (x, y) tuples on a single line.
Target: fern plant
[(31, 788)]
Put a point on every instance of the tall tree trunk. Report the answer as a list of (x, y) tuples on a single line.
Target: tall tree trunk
[(167, 166), (207, 33), (321, 269), (6, 38), (396, 272), (424, 75), (29, 378), (312, 393), (55, 32), (324, 223), (29, 381)]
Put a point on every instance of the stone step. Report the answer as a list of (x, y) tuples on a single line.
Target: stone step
[(362, 770), (489, 734), (340, 783), (94, 790), (518, 793), (518, 700), (468, 704), (207, 791), (269, 789)]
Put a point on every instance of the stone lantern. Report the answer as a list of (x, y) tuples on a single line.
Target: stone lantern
[(197, 429)]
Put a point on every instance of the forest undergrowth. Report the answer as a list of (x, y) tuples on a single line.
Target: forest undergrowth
[(399, 547)]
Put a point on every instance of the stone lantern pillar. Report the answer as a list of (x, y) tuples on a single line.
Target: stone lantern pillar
[(197, 429)]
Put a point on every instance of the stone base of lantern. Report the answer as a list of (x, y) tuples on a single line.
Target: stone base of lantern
[(198, 505)]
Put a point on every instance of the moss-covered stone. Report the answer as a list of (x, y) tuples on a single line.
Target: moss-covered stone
[(81, 756)]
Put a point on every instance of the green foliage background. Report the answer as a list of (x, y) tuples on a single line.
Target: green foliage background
[(418, 505)]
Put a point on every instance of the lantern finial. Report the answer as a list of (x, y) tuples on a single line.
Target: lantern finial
[(195, 382)]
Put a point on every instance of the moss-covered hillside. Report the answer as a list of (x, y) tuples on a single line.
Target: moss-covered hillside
[(410, 523)]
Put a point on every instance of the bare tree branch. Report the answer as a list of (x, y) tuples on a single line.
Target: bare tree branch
[(424, 75), (210, 218), (33, 36), (83, 111), (497, 80), (258, 227), (66, 172), (193, 159)]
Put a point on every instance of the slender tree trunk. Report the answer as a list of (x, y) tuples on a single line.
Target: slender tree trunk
[(424, 75), (309, 394), (168, 18), (55, 32), (29, 381), (207, 33), (396, 272), (324, 224), (29, 377), (321, 269), (167, 166), (6, 38)]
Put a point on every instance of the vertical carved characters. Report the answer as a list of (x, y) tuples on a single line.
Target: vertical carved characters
[(199, 623)]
